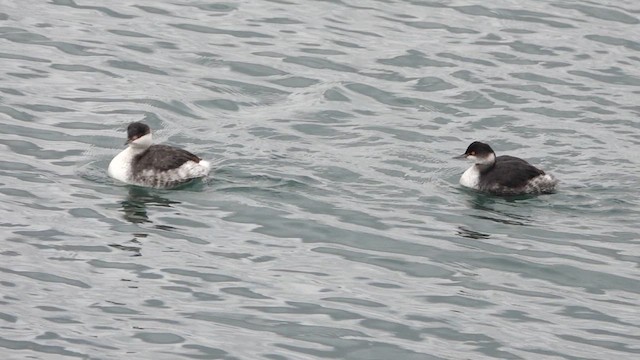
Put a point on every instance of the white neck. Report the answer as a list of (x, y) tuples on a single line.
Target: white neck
[(142, 143), (483, 161)]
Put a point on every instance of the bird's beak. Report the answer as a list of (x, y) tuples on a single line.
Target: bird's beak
[(129, 141), (463, 156)]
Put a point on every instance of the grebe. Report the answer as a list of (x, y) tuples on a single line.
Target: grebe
[(503, 175), (158, 166)]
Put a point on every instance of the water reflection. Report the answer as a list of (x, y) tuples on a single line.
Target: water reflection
[(464, 232), (492, 206), (134, 206), (133, 246)]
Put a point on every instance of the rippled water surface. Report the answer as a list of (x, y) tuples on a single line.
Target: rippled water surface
[(333, 225)]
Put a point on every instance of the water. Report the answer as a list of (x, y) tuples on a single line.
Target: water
[(333, 226)]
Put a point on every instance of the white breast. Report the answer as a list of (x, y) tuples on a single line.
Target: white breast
[(120, 166), (471, 177)]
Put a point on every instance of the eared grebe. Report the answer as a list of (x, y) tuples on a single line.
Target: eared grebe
[(158, 166), (503, 175)]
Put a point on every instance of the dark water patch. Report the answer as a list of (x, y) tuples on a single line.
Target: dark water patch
[(467, 76), (74, 248), (254, 69), (159, 338), (581, 312), (514, 289), (601, 13), (271, 54), (400, 134), (208, 277), (222, 7), (509, 14), (457, 300), (592, 281), (415, 59), (16, 114), (357, 32), (174, 106), (203, 352), (249, 88), (520, 316), (12, 92), (36, 347), (355, 301), (466, 59), (22, 57), (45, 108), (318, 63), (347, 44), (129, 33), (335, 95), (54, 336), (341, 343), (135, 66), (316, 130), (16, 193), (142, 49), (152, 10), (431, 25), (474, 100), (553, 112), (222, 104), (400, 331), (212, 30), (597, 110), (166, 45), (24, 37), (629, 80), (610, 40), (390, 99), (555, 64), (505, 97), (104, 10), (512, 59), (306, 309), (428, 84), (531, 49), (541, 78), (35, 133), (280, 20), (243, 292), (322, 51), (46, 277), (421, 270), (387, 75), (118, 265), (117, 310), (296, 82), (8, 317), (606, 344), (519, 31), (27, 76), (20, 35)]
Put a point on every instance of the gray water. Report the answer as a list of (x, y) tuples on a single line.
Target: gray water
[(333, 225)]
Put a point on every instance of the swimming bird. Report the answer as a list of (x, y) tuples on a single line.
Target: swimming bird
[(503, 175), (157, 166)]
